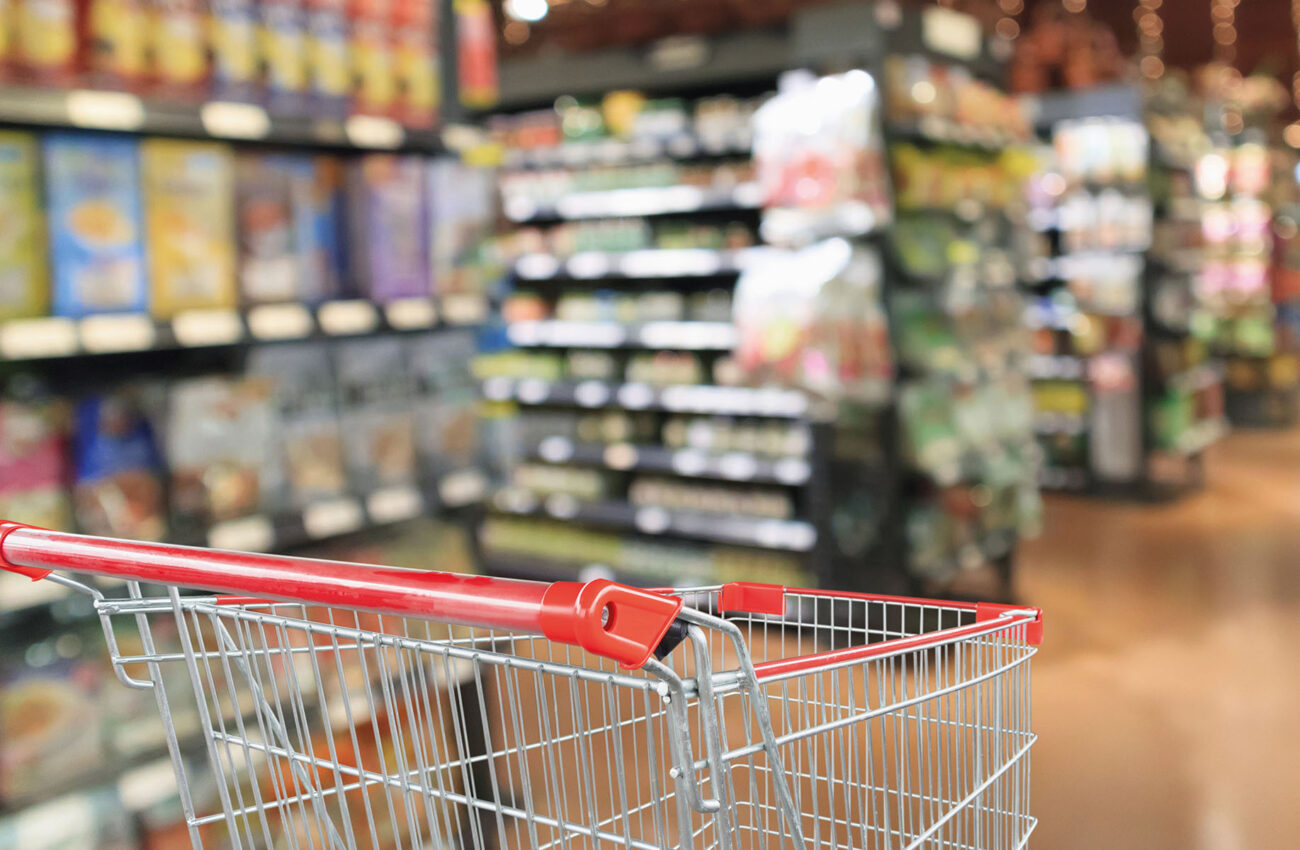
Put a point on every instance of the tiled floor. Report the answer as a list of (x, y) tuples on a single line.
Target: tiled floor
[(1167, 692)]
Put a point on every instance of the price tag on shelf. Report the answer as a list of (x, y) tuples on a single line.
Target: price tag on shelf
[(197, 328), (635, 396), (532, 390), (954, 33), (331, 517), (464, 309), (249, 534), (407, 314), (373, 131), (555, 449), (393, 504), (738, 466), (462, 488), (792, 470), (347, 318), (130, 332), (280, 321), (591, 393), (620, 456), (231, 120), (30, 338), (104, 110), (562, 506), (652, 520)]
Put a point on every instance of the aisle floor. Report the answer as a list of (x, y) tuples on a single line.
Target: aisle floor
[(1167, 692)]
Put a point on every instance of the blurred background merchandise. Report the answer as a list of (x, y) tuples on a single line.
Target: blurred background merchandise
[(808, 293)]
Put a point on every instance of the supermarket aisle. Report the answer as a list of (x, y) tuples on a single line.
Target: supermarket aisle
[(1168, 689)]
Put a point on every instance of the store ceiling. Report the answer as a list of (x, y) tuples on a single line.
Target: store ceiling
[(1266, 38)]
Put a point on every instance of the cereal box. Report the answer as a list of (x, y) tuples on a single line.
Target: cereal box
[(372, 57), (317, 192), (96, 235), (178, 45), (118, 42), (24, 276), (415, 61), (327, 55), (45, 35), (268, 269), (189, 218), (33, 468), (234, 49), (388, 225), (284, 53)]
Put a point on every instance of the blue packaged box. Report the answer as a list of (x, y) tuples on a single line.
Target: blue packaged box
[(96, 228)]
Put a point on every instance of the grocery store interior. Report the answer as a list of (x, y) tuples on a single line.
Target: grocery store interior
[(989, 302)]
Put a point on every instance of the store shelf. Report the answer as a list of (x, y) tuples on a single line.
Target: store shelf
[(646, 200), (692, 336), (1059, 478), (787, 535), (1196, 378), (684, 145), (56, 337), (647, 263), (688, 463), (86, 109), (273, 532), (934, 130), (1056, 367), (1059, 423), (1201, 436), (685, 398)]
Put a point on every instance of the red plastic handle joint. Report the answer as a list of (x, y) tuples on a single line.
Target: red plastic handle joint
[(608, 619), (33, 573), (751, 597), (992, 610)]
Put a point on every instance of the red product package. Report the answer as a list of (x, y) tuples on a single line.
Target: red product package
[(370, 50), (415, 59)]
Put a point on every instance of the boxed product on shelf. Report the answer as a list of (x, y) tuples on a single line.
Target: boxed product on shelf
[(709, 498), (233, 28), (462, 206), (33, 463), (189, 219), (50, 729), (376, 388), (178, 46), (268, 263), (374, 89), (92, 186), (47, 42), (24, 268), (546, 480), (220, 449), (415, 61), (118, 40), (446, 408), (327, 55), (282, 36), (118, 468), (318, 201), (309, 443), (389, 227)]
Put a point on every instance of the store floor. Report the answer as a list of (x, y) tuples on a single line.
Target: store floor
[(1167, 692)]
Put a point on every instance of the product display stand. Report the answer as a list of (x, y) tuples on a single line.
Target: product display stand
[(1127, 398)]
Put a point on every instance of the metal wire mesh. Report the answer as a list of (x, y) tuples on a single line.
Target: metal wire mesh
[(327, 728)]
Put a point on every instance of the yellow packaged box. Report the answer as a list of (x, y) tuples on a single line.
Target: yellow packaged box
[(189, 214), (24, 269)]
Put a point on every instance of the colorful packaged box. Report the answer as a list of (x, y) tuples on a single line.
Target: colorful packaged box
[(189, 217), (179, 46), (376, 391), (33, 465), (319, 226), (234, 49), (461, 218), (310, 445), (47, 41), (415, 61), (24, 273), (327, 56), (118, 42), (446, 411), (388, 225), (370, 48), (118, 490), (92, 186), (283, 41), (268, 265), (220, 450)]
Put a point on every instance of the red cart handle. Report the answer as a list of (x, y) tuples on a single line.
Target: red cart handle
[(608, 619)]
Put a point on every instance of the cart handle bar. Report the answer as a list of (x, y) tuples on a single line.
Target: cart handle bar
[(608, 619)]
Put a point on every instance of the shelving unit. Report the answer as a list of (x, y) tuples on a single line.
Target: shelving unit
[(1127, 399)]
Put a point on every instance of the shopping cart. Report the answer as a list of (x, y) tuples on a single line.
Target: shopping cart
[(332, 705)]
